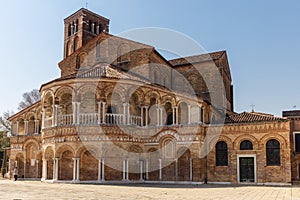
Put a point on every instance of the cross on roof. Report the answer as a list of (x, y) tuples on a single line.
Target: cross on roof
[(252, 106)]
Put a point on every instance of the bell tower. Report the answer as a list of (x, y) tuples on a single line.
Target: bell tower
[(81, 27)]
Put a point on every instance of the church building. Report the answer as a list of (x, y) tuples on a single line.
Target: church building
[(121, 112)]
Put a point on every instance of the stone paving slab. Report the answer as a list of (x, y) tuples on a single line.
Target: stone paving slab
[(38, 190)]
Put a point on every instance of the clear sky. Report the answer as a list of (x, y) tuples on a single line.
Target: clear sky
[(262, 40)]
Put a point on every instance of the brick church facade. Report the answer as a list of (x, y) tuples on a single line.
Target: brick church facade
[(121, 112)]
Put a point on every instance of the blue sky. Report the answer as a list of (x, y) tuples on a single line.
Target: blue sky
[(262, 39)]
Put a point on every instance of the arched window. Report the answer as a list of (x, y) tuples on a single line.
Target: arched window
[(169, 148), (69, 30), (246, 145), (273, 152), (90, 25), (221, 154), (95, 27), (76, 26)]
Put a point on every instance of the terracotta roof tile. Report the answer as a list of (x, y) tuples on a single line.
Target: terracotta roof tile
[(197, 58), (251, 117)]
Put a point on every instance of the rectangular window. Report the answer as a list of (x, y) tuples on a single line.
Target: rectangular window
[(297, 142)]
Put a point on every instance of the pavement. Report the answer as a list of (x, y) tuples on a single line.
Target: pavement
[(21, 190)]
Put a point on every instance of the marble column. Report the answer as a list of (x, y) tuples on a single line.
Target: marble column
[(44, 172), (160, 169)]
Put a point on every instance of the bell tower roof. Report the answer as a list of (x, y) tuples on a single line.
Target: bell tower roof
[(84, 11)]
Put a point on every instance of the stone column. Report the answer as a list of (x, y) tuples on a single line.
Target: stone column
[(97, 30), (53, 115), (127, 169), (124, 170), (142, 116), (157, 114), (44, 172), (74, 112), (72, 29), (76, 169), (161, 116), (36, 126), (25, 127), (103, 112), (55, 169), (124, 113), (141, 169), (147, 169), (173, 112), (43, 118), (24, 167), (176, 169), (160, 169), (203, 115), (37, 168), (177, 118), (128, 114), (75, 27), (189, 114), (78, 112), (56, 115), (99, 112), (147, 115), (103, 170), (191, 169), (17, 128), (93, 27)]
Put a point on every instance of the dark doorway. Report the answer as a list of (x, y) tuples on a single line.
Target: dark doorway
[(246, 169)]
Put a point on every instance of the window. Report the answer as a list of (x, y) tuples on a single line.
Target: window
[(246, 145), (273, 152), (221, 154), (95, 28), (297, 142), (90, 25), (169, 148), (76, 26), (69, 30)]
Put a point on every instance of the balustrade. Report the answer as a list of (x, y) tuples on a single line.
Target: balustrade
[(88, 118), (135, 120), (114, 118), (65, 120)]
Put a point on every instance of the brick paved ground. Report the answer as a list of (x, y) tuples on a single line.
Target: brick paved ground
[(37, 190)]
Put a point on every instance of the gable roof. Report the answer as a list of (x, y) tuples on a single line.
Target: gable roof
[(197, 58), (252, 117), (36, 104)]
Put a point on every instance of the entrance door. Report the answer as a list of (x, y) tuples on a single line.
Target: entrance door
[(246, 169)]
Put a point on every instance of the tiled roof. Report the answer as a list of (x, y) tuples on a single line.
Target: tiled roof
[(291, 113), (197, 58), (251, 117)]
